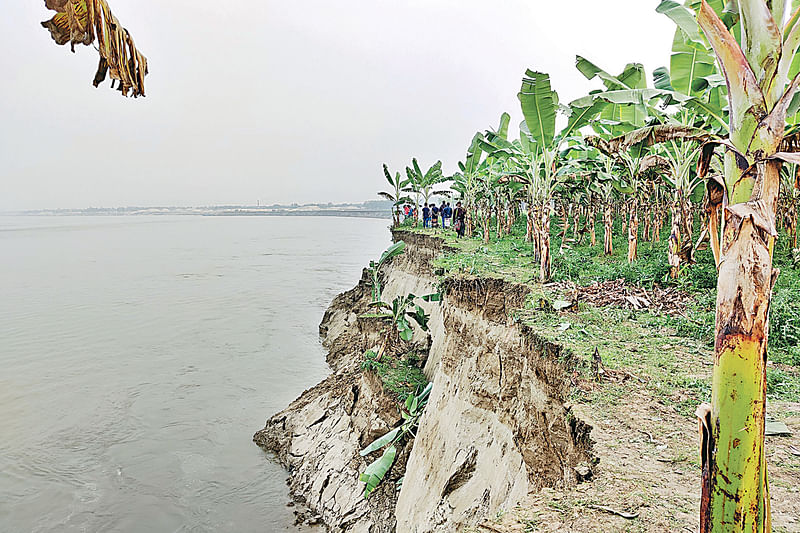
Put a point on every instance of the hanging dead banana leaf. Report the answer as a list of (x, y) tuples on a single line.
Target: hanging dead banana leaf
[(89, 21)]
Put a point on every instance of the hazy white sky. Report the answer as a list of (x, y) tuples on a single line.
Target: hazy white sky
[(287, 101)]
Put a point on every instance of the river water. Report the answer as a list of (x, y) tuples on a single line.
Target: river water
[(138, 355)]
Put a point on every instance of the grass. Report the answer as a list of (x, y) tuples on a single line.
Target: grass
[(670, 355), (400, 375)]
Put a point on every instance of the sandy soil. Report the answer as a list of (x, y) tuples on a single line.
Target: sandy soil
[(649, 467)]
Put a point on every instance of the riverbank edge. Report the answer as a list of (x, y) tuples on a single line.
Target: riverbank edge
[(498, 425)]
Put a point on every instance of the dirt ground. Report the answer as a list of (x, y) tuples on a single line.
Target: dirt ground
[(649, 469)]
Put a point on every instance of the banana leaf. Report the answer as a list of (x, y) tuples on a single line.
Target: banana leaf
[(380, 442), (393, 251), (376, 471), (539, 104), (89, 21)]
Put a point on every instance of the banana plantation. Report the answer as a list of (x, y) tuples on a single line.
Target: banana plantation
[(698, 160)]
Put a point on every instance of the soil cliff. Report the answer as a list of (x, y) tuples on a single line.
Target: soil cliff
[(495, 429)]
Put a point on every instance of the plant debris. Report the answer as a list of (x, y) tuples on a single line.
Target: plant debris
[(618, 293)]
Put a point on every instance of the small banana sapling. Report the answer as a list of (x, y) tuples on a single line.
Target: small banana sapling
[(412, 412), (401, 311), (374, 266)]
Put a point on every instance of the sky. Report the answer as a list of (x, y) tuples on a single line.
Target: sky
[(261, 101)]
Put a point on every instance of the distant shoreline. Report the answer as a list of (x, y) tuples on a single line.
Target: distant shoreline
[(366, 210), (347, 214)]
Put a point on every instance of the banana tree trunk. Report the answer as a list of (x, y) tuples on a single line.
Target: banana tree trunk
[(529, 227), (499, 214), (633, 231), (544, 244), (624, 221), (487, 231), (565, 215), (608, 227), (735, 488), (537, 234), (577, 235), (590, 220), (674, 241), (687, 228)]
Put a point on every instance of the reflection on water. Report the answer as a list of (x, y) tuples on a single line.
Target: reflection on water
[(139, 354)]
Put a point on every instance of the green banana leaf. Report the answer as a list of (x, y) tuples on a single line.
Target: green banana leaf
[(632, 77), (502, 130), (393, 251), (684, 19), (689, 63), (380, 442), (539, 104), (376, 471)]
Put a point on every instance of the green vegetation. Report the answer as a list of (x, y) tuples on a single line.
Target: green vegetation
[(511, 258), (400, 312), (400, 375), (374, 268), (712, 147), (374, 473)]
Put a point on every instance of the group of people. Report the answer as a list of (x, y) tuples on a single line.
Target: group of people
[(433, 214)]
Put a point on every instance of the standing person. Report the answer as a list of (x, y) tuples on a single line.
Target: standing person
[(442, 214), (448, 214), (460, 215), (426, 216), (435, 215)]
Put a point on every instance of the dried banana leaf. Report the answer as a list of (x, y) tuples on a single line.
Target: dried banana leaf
[(89, 21)]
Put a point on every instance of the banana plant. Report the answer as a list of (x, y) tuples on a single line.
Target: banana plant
[(762, 78), (490, 185), (375, 472), (581, 179), (535, 155), (632, 122), (400, 312), (375, 266), (677, 146), (422, 183), (467, 181), (628, 105), (396, 196)]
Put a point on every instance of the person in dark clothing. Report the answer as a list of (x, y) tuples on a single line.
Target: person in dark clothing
[(449, 214), (460, 216), (442, 214), (426, 216), (434, 215)]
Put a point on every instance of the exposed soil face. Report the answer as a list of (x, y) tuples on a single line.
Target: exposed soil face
[(495, 428)]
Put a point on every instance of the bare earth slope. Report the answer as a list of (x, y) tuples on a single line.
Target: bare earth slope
[(521, 433)]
